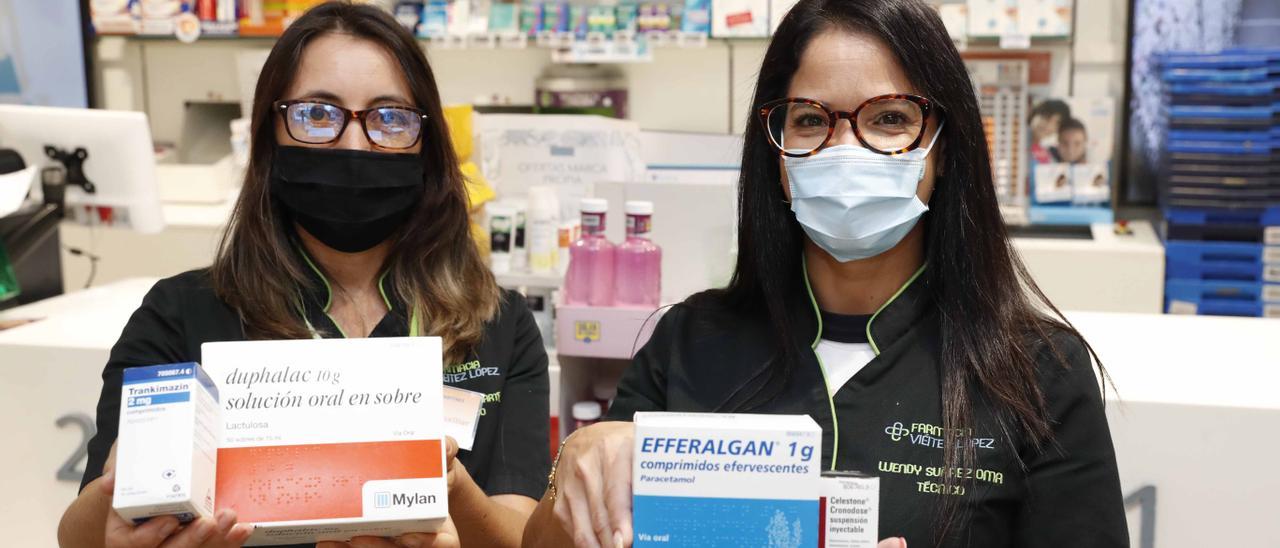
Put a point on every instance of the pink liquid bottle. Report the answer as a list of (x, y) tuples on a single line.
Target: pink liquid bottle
[(639, 267), (590, 278)]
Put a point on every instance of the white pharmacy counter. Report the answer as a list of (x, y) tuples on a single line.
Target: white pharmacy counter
[(1191, 418)]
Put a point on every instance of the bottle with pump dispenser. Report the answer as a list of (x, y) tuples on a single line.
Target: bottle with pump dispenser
[(591, 268), (638, 272)]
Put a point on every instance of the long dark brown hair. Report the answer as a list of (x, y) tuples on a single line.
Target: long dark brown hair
[(989, 307), (435, 265)]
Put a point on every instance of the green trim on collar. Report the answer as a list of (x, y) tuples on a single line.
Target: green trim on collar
[(826, 384), (874, 347), (804, 265), (328, 290), (383, 290)]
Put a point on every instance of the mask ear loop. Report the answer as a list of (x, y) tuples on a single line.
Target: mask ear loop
[(936, 135)]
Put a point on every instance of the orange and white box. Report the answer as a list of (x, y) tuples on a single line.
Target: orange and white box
[(327, 439)]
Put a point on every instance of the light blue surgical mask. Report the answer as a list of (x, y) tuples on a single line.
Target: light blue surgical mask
[(855, 203)]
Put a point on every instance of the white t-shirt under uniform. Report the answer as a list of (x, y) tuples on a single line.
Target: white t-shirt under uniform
[(843, 349)]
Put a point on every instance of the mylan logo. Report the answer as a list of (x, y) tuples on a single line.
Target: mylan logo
[(383, 499)]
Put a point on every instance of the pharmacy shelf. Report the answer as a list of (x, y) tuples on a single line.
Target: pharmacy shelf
[(526, 279)]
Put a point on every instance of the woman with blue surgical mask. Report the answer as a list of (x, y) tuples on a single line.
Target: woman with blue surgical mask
[(876, 291)]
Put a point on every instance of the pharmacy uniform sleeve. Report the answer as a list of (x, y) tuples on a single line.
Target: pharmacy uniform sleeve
[(521, 458), (1073, 485), (153, 336)]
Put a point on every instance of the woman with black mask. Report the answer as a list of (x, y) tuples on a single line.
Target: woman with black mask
[(352, 222), (877, 292)]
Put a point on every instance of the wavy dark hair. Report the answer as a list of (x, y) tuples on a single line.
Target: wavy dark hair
[(435, 264), (989, 307)]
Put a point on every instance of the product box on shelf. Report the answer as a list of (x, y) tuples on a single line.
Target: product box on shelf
[(117, 17), (157, 16), (992, 17), (327, 439), (218, 17), (166, 451), (710, 480), (603, 331), (1045, 18), (263, 18), (777, 11), (739, 18)]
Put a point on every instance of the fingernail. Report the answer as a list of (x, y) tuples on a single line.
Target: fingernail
[(411, 542), (617, 539)]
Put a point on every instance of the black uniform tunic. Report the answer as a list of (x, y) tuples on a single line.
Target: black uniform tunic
[(510, 454), (887, 421)]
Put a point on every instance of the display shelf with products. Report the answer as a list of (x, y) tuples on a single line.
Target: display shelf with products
[(1217, 186)]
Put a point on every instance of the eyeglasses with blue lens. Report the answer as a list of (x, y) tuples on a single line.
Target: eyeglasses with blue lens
[(319, 123)]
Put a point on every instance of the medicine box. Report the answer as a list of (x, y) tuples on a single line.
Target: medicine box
[(166, 450), (729, 480), (848, 510), (326, 439), (739, 18)]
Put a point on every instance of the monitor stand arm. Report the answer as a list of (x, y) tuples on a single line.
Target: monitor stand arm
[(74, 162)]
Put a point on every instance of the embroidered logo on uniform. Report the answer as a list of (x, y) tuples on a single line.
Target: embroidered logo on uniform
[(896, 431), (929, 435)]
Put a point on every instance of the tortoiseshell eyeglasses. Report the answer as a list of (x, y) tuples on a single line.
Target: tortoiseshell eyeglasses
[(887, 124)]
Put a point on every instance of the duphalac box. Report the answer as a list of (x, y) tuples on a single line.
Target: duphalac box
[(327, 439), (167, 447), (848, 510), (728, 480)]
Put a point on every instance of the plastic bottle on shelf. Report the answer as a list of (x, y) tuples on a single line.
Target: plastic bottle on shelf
[(590, 278), (638, 274), (586, 413), (540, 229), (519, 243)]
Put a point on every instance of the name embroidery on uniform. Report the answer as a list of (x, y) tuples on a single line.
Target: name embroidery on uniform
[(929, 478), (463, 372)]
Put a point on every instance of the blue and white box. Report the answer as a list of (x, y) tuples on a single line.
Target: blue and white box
[(167, 448), (709, 480)]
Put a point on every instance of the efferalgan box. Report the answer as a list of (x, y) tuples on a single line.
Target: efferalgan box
[(729, 480)]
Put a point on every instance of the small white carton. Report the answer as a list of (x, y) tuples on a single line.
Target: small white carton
[(712, 480), (167, 447), (849, 510)]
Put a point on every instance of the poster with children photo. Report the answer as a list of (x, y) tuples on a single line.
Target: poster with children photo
[(1071, 141)]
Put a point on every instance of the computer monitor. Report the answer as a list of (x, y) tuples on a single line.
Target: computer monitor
[(44, 57), (120, 163)]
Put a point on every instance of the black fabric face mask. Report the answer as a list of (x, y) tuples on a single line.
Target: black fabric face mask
[(350, 200)]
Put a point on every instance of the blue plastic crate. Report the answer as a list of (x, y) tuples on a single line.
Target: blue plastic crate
[(1261, 217), (1213, 307), (1200, 291), (1222, 261), (1248, 233)]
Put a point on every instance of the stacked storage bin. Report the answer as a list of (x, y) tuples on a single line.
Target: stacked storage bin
[(1220, 183)]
